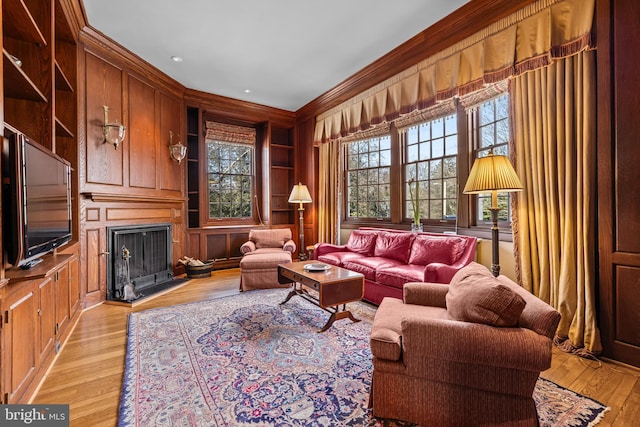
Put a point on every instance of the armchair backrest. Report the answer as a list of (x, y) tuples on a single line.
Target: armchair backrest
[(270, 238)]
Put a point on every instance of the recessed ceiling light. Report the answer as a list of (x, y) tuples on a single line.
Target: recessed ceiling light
[(247, 91), (176, 58)]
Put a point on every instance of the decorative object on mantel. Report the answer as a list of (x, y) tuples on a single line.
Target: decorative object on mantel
[(195, 268), (266, 365), (415, 206), (177, 151), (300, 194), (493, 174), (113, 132)]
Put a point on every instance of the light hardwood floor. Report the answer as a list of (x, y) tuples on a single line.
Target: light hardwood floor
[(87, 373)]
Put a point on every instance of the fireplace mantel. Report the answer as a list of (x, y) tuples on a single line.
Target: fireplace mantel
[(109, 197)]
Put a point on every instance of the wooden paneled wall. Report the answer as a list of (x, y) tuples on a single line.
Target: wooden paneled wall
[(618, 177), (137, 183)]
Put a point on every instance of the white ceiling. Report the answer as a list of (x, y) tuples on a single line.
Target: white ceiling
[(286, 52)]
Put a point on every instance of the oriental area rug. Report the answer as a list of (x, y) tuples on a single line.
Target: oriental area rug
[(246, 360)]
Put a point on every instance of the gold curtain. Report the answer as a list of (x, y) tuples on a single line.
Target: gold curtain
[(328, 192), (525, 40), (554, 223)]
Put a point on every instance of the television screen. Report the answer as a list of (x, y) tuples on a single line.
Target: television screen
[(46, 189), (36, 201)]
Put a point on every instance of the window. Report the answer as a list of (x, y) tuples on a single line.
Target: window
[(431, 151), (229, 173), (490, 123), (369, 178)]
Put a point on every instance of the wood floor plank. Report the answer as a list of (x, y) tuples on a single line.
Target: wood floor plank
[(88, 371)]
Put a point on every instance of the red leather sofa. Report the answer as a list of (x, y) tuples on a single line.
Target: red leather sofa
[(390, 258)]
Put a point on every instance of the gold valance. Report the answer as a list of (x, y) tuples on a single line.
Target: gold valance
[(526, 40), (230, 133)]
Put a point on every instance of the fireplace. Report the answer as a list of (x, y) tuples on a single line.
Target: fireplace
[(140, 261)]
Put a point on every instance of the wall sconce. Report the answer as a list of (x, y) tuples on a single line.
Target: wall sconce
[(113, 132), (176, 151)]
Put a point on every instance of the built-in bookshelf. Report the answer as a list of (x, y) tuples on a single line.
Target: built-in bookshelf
[(282, 154), (193, 167)]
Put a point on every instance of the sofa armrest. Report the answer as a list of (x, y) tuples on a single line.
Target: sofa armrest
[(438, 272), (247, 247), (289, 246), (326, 248), (472, 343), (422, 293)]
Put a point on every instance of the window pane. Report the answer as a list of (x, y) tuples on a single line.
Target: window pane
[(438, 138), (368, 193), (437, 147)]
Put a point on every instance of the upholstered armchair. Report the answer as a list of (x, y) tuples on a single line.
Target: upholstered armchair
[(262, 253), (466, 353), (268, 240)]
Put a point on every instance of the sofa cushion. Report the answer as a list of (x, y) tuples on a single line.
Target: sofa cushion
[(338, 258), (480, 298), (397, 276), (427, 249), (368, 265), (394, 246), (362, 242)]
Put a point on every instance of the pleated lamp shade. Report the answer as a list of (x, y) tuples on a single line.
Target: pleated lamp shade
[(492, 173), (300, 194)]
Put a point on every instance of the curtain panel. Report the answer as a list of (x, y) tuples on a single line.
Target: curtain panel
[(554, 111), (523, 41)]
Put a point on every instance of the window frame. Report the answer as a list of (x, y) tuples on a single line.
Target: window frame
[(465, 222), (256, 168), (346, 218)]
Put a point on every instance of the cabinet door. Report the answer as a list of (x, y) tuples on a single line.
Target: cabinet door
[(46, 317), (61, 280), (20, 338)]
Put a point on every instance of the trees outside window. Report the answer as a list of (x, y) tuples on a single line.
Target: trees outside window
[(368, 178), (230, 179)]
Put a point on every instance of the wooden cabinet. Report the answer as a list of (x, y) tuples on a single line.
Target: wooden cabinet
[(20, 339), (37, 308)]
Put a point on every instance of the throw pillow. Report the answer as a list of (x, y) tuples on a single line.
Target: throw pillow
[(480, 298), (362, 242)]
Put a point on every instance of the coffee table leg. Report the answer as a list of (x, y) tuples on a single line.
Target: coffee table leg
[(337, 315)]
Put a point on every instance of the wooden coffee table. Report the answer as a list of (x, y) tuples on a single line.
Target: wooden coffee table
[(335, 287)]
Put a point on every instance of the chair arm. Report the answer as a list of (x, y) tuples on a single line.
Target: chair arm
[(289, 246), (247, 247), (422, 293), (327, 248), (438, 272), (472, 343)]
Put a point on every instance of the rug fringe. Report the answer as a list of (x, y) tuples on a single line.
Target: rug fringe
[(597, 419)]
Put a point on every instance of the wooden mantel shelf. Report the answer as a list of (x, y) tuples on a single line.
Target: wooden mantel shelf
[(108, 197)]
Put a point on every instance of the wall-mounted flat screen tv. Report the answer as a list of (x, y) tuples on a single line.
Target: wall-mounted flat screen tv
[(36, 201)]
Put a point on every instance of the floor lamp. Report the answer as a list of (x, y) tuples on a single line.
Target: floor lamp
[(493, 174), (300, 194)]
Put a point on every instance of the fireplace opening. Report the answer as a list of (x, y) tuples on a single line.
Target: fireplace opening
[(140, 261)]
